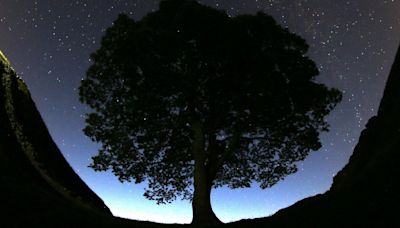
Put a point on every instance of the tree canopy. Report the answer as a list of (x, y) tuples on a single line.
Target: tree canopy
[(190, 88)]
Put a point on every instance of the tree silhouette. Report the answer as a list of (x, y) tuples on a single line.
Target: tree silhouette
[(190, 99)]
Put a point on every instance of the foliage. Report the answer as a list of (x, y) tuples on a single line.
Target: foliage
[(246, 81)]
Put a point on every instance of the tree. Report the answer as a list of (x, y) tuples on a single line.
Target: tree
[(190, 99)]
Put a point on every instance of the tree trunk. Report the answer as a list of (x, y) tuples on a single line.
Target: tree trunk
[(202, 210), (201, 205)]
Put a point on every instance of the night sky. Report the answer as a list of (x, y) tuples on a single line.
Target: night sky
[(352, 42)]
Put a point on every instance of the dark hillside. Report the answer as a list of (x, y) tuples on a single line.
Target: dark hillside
[(364, 192), (38, 186), (32, 135)]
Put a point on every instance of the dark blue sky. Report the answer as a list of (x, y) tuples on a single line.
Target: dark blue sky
[(353, 43)]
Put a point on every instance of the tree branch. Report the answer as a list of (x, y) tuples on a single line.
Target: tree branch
[(220, 162)]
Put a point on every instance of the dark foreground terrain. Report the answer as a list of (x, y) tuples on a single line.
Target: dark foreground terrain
[(40, 189)]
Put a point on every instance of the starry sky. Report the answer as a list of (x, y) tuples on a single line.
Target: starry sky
[(352, 42)]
